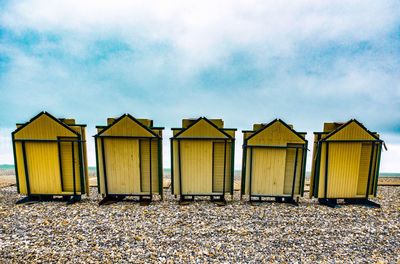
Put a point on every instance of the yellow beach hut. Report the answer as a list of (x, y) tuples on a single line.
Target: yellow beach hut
[(50, 159), (345, 164), (202, 159), (129, 159), (273, 165)]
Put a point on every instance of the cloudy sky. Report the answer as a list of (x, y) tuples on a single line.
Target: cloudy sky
[(244, 61)]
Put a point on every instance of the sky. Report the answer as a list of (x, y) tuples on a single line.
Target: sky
[(306, 62)]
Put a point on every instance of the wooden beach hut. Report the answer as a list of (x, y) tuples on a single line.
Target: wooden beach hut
[(129, 159), (273, 165), (345, 164), (50, 158), (202, 159)]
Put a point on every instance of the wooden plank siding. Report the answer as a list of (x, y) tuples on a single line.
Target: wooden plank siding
[(270, 158), (128, 155), (198, 158), (48, 156), (44, 127), (352, 161), (145, 166)]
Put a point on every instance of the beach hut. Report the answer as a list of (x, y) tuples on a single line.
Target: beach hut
[(202, 158), (129, 159), (50, 159), (345, 164), (273, 165)]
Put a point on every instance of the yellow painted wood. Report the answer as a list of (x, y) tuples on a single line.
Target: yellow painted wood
[(230, 132), (67, 167), (273, 168), (127, 127), (145, 122), (174, 158), (145, 166), (218, 166), (364, 168), (352, 131), (196, 166), (176, 131), (68, 121), (202, 129), (247, 179), (110, 121), (128, 159), (21, 168), (187, 122), (313, 164), (85, 159), (100, 169), (43, 128), (349, 162), (343, 170), (202, 161), (122, 165), (218, 122), (275, 135), (289, 171), (43, 168), (329, 127), (268, 171), (246, 135), (43, 160)]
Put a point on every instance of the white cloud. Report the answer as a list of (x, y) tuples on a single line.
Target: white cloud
[(206, 31), (196, 35)]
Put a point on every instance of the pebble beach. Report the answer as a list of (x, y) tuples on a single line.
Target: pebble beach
[(201, 232)]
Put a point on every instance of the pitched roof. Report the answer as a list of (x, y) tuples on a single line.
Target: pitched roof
[(346, 125), (256, 133), (36, 118), (147, 132), (203, 121)]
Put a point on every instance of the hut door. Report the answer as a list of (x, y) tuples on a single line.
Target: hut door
[(291, 162), (69, 166), (196, 166), (218, 167), (122, 164), (148, 166), (343, 170), (268, 171), (42, 167), (365, 159)]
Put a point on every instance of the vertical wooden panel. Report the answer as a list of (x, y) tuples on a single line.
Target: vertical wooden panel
[(218, 166), (228, 179), (21, 168), (145, 166), (196, 165), (248, 164), (122, 164), (365, 157), (343, 169), (313, 165), (268, 171), (67, 169), (43, 167), (101, 167), (85, 161), (321, 179), (289, 171)]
